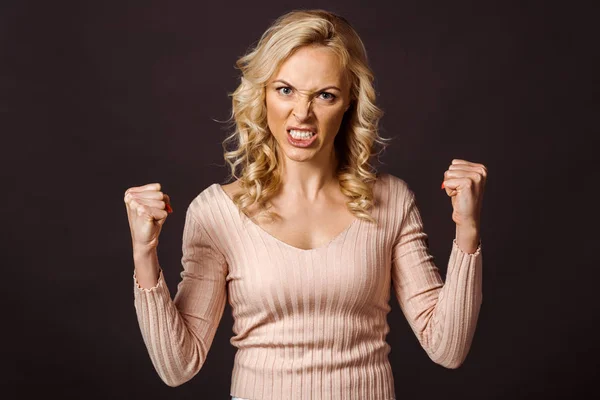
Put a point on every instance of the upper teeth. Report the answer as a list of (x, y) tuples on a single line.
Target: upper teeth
[(301, 134)]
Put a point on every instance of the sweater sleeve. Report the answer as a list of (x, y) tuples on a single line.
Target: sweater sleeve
[(178, 333), (443, 316)]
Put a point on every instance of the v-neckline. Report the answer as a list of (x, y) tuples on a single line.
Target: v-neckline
[(326, 245)]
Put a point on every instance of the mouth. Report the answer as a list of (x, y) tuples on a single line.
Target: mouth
[(300, 138)]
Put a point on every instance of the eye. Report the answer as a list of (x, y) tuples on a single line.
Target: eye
[(330, 98), (286, 90)]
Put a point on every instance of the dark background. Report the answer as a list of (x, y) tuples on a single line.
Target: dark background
[(99, 96)]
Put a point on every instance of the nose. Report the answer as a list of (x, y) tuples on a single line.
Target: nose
[(303, 108)]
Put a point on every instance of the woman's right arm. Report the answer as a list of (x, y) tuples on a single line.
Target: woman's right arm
[(178, 333), (146, 268)]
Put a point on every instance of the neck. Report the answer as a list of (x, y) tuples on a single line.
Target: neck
[(304, 180)]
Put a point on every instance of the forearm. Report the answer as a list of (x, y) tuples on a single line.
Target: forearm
[(450, 331), (164, 329), (467, 237), (175, 352), (146, 267)]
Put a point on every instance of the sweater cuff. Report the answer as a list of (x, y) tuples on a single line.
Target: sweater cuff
[(455, 247), (160, 285)]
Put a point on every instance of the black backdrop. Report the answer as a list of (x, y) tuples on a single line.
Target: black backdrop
[(98, 96)]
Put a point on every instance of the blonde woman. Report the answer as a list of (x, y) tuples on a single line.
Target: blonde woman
[(307, 241)]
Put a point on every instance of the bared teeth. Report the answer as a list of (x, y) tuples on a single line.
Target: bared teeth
[(301, 134)]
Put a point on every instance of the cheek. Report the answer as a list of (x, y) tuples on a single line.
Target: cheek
[(277, 111), (332, 119)]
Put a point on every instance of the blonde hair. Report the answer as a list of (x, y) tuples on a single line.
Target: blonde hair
[(256, 150)]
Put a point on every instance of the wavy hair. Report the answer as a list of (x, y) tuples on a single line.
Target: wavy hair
[(256, 151)]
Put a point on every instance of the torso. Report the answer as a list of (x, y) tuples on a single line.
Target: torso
[(301, 226)]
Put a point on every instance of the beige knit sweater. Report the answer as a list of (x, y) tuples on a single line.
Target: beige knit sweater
[(309, 324)]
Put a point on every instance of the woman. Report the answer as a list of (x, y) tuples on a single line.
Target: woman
[(307, 241)]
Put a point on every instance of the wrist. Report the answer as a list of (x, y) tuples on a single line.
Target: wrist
[(141, 253), (468, 224), (472, 229), (467, 238)]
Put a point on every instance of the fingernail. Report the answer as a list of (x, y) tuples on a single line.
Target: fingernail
[(442, 185), (169, 209)]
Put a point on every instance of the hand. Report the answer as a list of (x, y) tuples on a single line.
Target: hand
[(464, 182), (146, 213)]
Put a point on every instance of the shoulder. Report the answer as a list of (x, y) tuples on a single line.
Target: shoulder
[(206, 203), (393, 184), (231, 188), (393, 195), (396, 200)]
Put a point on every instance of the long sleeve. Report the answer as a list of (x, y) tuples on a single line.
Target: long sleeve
[(443, 316), (178, 333)]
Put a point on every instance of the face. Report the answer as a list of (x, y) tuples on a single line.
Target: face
[(309, 92)]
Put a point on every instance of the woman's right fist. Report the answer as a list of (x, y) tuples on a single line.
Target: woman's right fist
[(147, 210)]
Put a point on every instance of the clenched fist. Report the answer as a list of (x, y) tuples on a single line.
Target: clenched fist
[(464, 182), (147, 210)]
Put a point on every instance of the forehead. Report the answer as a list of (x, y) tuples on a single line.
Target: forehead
[(312, 67)]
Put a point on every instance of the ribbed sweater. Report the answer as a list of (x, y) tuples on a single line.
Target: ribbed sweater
[(309, 324)]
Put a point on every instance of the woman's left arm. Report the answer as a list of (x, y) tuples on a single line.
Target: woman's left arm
[(443, 315)]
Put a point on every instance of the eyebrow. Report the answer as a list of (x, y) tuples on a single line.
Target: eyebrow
[(320, 90)]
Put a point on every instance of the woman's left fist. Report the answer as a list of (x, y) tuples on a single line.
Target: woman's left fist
[(464, 182)]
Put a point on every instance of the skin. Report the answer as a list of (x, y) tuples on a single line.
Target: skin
[(464, 182), (301, 101), (310, 202)]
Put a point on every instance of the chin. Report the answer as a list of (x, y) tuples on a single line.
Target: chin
[(296, 154)]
